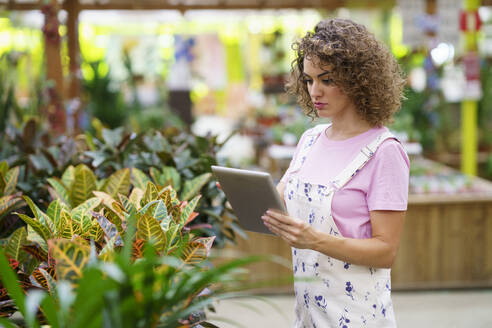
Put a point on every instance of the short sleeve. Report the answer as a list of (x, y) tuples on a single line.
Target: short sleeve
[(388, 189)]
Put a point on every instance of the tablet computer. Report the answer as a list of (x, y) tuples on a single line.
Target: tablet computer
[(250, 193)]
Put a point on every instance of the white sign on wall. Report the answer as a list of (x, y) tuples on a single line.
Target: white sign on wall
[(411, 12), (448, 30)]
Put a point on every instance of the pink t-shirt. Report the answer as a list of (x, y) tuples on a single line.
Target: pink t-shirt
[(382, 184)]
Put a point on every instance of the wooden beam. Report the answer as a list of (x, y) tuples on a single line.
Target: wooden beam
[(55, 111), (221, 5), (72, 7)]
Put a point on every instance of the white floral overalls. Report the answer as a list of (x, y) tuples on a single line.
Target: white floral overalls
[(330, 292)]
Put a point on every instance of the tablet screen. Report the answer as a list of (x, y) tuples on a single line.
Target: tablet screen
[(250, 193)]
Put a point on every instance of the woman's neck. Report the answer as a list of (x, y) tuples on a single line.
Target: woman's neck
[(346, 127)]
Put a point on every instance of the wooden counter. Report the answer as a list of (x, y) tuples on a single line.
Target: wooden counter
[(446, 243)]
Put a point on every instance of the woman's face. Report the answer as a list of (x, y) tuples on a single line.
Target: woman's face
[(328, 99)]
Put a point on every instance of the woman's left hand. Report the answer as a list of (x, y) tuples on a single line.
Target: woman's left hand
[(296, 233)]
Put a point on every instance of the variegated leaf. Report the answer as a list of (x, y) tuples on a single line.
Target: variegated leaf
[(165, 223), (82, 214), (136, 197), (68, 176), (50, 279), (95, 233), (188, 209), (193, 187), (118, 183), (15, 243), (87, 206), (83, 185), (149, 229), (113, 218), (71, 258), (54, 212), (150, 194), (160, 211), (170, 173), (60, 190), (70, 228), (41, 217), (34, 237), (149, 207), (9, 203), (111, 205), (139, 179), (127, 205), (109, 229), (11, 178), (43, 279), (37, 226), (172, 237), (137, 250), (198, 250)]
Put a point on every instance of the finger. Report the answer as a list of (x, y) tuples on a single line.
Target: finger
[(279, 232), (277, 224), (217, 183), (281, 217)]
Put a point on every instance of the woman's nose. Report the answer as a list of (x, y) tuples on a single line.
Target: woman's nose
[(316, 90)]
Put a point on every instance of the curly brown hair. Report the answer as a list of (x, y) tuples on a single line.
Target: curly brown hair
[(362, 67)]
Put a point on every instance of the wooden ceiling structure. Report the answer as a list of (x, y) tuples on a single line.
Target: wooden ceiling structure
[(183, 5)]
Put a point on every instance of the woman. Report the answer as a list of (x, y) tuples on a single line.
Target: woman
[(346, 188)]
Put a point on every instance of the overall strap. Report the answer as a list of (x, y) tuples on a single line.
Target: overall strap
[(309, 139), (360, 160)]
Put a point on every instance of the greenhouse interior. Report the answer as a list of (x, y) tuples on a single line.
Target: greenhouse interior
[(113, 112)]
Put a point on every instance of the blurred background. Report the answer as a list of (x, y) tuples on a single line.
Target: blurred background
[(184, 83)]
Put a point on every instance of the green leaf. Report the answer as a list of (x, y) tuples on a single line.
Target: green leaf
[(2, 184), (4, 167), (136, 197), (139, 179), (149, 229), (70, 228), (68, 176), (71, 258), (40, 229), (170, 173), (118, 183), (150, 194), (15, 243), (193, 187), (83, 185), (54, 212), (9, 280), (81, 215), (41, 217), (11, 179), (112, 137), (188, 209), (156, 177), (61, 191)]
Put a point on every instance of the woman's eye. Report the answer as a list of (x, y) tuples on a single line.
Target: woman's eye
[(308, 81), (328, 81)]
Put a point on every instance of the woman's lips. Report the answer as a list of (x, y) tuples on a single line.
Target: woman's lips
[(319, 105)]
